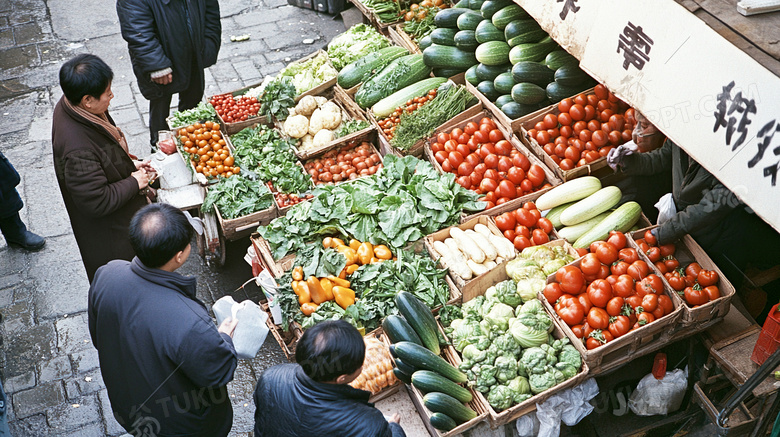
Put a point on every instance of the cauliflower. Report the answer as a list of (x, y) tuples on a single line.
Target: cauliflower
[(320, 101), (316, 121), (323, 138), (307, 142), (306, 105), (331, 107), (331, 116), (296, 126)]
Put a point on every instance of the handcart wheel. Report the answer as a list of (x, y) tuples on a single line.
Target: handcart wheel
[(200, 240)]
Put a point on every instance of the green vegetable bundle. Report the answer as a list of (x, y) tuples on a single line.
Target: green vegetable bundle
[(270, 157), (201, 113), (388, 11), (278, 97), (358, 41), (237, 196)]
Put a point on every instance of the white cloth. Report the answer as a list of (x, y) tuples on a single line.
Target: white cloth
[(615, 156), (666, 208)]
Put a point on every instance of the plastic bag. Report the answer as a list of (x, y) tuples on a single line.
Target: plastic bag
[(251, 330), (569, 406), (666, 208), (615, 156), (659, 396), (528, 425)]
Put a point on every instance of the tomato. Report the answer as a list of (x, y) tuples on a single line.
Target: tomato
[(550, 121), (638, 270), (455, 158), (523, 230), (502, 200), (441, 156), (465, 169), (473, 159), (590, 264), (571, 312), (506, 221), (619, 325), (530, 206), (578, 331), (538, 237), (593, 343), (634, 301), (480, 168), (577, 112), (643, 246), (525, 218), (491, 160), (503, 147), (628, 255), (510, 234), (654, 254), (463, 149), (565, 105), (666, 303), (676, 282), (693, 269), (496, 135), (535, 212), (507, 189), (455, 133), (650, 238), (600, 292), (619, 268), (615, 306), (521, 242), (463, 181), (650, 302), (584, 300), (624, 286), (598, 318), (487, 185), (545, 224), (487, 121), (471, 127), (515, 175), (651, 283), (522, 161), (667, 250), (658, 312), (712, 292), (536, 175), (643, 319), (607, 253), (695, 296), (446, 166), (671, 263), (552, 292), (570, 278), (705, 278)]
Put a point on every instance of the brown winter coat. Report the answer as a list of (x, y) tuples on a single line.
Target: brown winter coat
[(101, 196)]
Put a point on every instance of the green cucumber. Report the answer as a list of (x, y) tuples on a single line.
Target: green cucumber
[(486, 31), (591, 206), (471, 75), (527, 93), (422, 358), (424, 42), (399, 73), (444, 403), (532, 51), (493, 53), (488, 90), (515, 110), (558, 58), (406, 368), (523, 31), (404, 377), (358, 71), (532, 72), (420, 318), (448, 17), (503, 100), (490, 7), (490, 72), (444, 36), (557, 92), (503, 83), (427, 381), (442, 422), (554, 215), (438, 56), (507, 14), (446, 72), (571, 75), (397, 329), (466, 40), (469, 20), (621, 220)]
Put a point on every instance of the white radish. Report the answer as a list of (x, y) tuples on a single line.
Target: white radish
[(484, 244), (467, 245), (453, 260), (478, 269)]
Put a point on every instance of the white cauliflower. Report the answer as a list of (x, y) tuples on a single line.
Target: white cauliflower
[(307, 142), (323, 138), (320, 100), (296, 126), (306, 105), (331, 116), (316, 122), (292, 112), (331, 107)]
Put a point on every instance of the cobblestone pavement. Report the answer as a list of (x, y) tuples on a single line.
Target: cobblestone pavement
[(49, 367)]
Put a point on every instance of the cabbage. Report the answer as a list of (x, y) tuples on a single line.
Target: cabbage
[(552, 266), (499, 316), (525, 335), (543, 254), (528, 288)]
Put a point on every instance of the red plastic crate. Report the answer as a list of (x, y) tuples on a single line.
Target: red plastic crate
[(768, 339)]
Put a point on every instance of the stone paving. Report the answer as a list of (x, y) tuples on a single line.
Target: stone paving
[(49, 367)]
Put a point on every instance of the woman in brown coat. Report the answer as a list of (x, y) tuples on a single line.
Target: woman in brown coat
[(101, 184)]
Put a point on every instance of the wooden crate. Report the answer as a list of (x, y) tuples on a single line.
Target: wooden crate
[(321, 87), (235, 127), (503, 417), (403, 39), (282, 210), (550, 176), (393, 388), (372, 17), (234, 229), (688, 251), (367, 135), (621, 350), (275, 267)]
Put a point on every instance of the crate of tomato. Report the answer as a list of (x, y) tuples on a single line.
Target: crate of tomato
[(612, 305), (237, 111), (685, 267), (358, 157)]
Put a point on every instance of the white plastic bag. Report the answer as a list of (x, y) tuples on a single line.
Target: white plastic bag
[(569, 406), (615, 156), (659, 396), (251, 330), (666, 208), (528, 425)]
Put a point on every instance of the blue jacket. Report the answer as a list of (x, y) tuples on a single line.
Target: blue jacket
[(290, 404), (10, 202), (165, 365)]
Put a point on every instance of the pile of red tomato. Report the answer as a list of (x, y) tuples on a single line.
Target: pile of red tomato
[(284, 199), (232, 109), (587, 128), (487, 163), (525, 226), (609, 294), (695, 285)]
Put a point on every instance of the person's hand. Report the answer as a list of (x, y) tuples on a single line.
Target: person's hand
[(142, 177), (395, 418), (163, 80), (616, 155), (228, 326)]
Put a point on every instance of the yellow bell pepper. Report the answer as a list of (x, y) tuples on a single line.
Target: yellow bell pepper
[(352, 268), (354, 244), (318, 295), (339, 281), (349, 254), (344, 296), (327, 287), (337, 242), (382, 252), (365, 252), (327, 242), (309, 308), (297, 273), (301, 290)]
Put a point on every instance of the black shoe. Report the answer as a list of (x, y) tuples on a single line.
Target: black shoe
[(28, 241), (16, 234)]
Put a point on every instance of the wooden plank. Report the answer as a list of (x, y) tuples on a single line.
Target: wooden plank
[(760, 30)]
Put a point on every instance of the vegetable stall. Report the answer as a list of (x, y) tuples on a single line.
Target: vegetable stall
[(438, 177)]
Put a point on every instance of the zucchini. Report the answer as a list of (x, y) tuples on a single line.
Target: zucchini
[(448, 17), (386, 106), (503, 83), (420, 318), (421, 358), (397, 329), (503, 100), (557, 92), (488, 90), (358, 71), (427, 381), (397, 75), (567, 192), (490, 7), (404, 377), (490, 72), (572, 233), (444, 403), (446, 72), (523, 31), (515, 110), (442, 422), (486, 31), (466, 40), (493, 53), (571, 75), (532, 72), (507, 14), (471, 75), (554, 215), (406, 368), (444, 36), (527, 93), (532, 51), (437, 56), (591, 206), (469, 20), (558, 58), (619, 220), (424, 42)]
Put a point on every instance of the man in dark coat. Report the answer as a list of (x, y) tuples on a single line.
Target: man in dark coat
[(11, 225), (163, 360), (171, 42), (100, 183), (313, 398)]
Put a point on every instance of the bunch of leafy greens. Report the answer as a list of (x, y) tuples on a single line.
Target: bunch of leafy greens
[(237, 196), (388, 11), (203, 112), (279, 95), (349, 127), (270, 157), (310, 73), (403, 202), (358, 41)]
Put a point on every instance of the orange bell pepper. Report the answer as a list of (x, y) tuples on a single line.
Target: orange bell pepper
[(301, 290), (339, 281), (365, 252), (318, 295), (297, 273), (351, 268), (344, 296), (327, 287), (354, 244), (382, 252), (349, 254), (308, 308)]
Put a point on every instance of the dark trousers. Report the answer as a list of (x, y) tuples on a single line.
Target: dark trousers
[(159, 109)]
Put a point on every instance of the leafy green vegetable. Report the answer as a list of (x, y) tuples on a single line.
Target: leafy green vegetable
[(237, 196), (310, 73), (388, 11), (263, 151), (350, 127), (419, 29), (358, 41), (203, 112), (500, 397), (320, 262), (278, 97)]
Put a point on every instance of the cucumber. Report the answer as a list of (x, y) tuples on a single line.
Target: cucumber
[(386, 106), (571, 75), (466, 40), (448, 17), (571, 191), (558, 58), (424, 42), (398, 74), (591, 206), (469, 21), (422, 358), (621, 220), (557, 92), (444, 36), (515, 110), (527, 93), (507, 14), (358, 71), (532, 72), (476, 5), (493, 53), (420, 318), (532, 51), (471, 75), (490, 72), (446, 72), (444, 403), (503, 100), (503, 83), (427, 381), (488, 90), (523, 31), (486, 31), (397, 329), (490, 7), (404, 377), (554, 215), (406, 368), (462, 4), (572, 233), (442, 422), (437, 56)]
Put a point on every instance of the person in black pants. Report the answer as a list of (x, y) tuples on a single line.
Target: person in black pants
[(12, 226)]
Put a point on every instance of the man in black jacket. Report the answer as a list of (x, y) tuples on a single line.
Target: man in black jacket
[(313, 398), (171, 42), (11, 225), (164, 362)]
